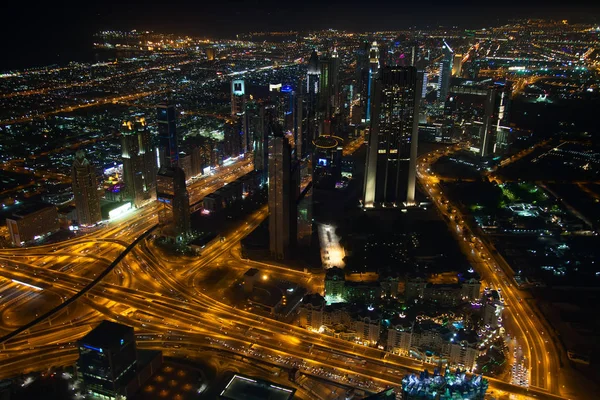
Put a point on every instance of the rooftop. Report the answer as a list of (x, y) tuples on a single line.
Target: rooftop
[(107, 333), (248, 388)]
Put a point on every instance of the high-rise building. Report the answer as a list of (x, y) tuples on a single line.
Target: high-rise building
[(496, 116), (373, 75), (171, 191), (139, 161), (457, 65), (210, 53), (313, 79), (168, 147), (85, 190), (107, 359), (445, 71), (393, 137), (335, 81), (238, 97), (283, 193)]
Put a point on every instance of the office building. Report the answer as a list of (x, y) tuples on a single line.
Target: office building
[(390, 174), (85, 190), (445, 71), (283, 193), (210, 53), (238, 97), (168, 147), (139, 162), (313, 79), (107, 359), (171, 192), (496, 118), (374, 67), (31, 223), (457, 65)]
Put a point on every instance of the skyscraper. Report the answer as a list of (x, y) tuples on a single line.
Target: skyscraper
[(238, 97), (171, 191), (283, 193), (313, 78), (373, 75), (391, 136), (85, 189), (497, 112), (445, 71), (139, 161), (168, 150)]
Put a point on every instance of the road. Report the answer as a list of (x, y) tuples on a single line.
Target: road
[(520, 320), (168, 303)]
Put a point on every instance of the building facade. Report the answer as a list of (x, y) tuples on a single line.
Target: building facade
[(85, 190), (139, 161)]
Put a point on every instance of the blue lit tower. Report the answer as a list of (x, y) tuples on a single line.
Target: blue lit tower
[(391, 136), (313, 78), (168, 152), (445, 71)]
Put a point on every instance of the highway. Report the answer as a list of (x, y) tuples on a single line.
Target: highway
[(519, 317), (170, 306)]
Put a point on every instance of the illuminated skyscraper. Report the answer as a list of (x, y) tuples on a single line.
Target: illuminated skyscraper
[(168, 150), (283, 193), (85, 189), (497, 112), (445, 71), (392, 134), (139, 161), (373, 74), (238, 97), (313, 78), (171, 191)]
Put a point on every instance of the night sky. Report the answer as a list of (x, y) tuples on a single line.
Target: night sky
[(60, 31)]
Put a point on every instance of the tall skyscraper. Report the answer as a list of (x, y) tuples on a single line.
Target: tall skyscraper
[(391, 136), (139, 161), (373, 75), (168, 148), (238, 97), (283, 193), (171, 191), (85, 189), (313, 78), (497, 112), (335, 81), (445, 71)]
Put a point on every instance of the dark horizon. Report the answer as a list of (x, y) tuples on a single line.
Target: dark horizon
[(42, 36)]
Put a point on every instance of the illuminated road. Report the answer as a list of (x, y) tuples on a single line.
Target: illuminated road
[(520, 319), (166, 300)]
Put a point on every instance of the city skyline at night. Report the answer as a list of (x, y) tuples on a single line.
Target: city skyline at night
[(300, 201)]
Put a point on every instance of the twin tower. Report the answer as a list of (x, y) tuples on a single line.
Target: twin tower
[(394, 98)]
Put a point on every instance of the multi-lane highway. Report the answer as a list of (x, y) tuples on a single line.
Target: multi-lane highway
[(541, 355), (166, 300)]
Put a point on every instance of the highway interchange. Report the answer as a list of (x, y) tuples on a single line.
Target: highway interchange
[(171, 309)]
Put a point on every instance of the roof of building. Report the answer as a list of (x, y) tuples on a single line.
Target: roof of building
[(31, 209), (314, 299), (107, 333), (335, 273), (249, 388), (251, 272)]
